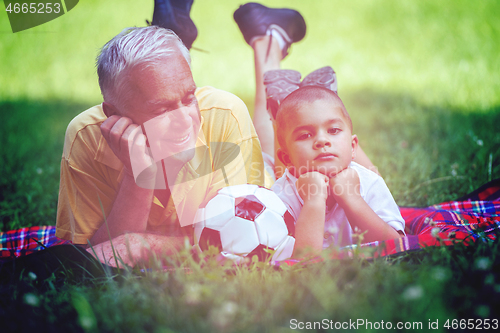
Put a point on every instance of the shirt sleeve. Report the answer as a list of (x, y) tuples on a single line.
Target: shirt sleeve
[(380, 199), (86, 192), (234, 146)]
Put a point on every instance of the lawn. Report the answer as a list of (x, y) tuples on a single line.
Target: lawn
[(421, 82)]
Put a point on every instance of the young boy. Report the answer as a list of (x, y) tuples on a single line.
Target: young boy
[(326, 192)]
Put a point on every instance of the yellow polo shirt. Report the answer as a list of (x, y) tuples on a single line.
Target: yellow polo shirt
[(227, 152)]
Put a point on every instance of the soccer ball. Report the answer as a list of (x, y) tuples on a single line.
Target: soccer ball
[(246, 220)]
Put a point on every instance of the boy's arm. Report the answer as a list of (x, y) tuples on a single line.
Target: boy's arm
[(361, 215), (312, 188), (345, 187)]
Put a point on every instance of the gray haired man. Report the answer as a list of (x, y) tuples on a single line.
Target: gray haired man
[(137, 167)]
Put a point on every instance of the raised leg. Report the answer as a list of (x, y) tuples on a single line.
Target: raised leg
[(265, 60)]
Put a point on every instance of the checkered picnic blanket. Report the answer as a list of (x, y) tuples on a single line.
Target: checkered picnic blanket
[(475, 216), (20, 242), (444, 224)]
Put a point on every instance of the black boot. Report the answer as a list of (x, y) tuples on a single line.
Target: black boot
[(174, 15)]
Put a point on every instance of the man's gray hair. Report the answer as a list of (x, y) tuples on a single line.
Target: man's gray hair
[(131, 47)]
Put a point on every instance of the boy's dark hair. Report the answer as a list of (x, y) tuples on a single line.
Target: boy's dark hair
[(304, 95)]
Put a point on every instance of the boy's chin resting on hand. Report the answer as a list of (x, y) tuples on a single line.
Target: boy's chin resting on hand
[(345, 186)]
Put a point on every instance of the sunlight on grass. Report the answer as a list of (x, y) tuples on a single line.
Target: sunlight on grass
[(439, 52), (56, 60)]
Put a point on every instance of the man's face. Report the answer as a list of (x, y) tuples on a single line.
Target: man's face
[(319, 138), (161, 97)]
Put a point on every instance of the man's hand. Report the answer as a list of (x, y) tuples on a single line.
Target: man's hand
[(132, 205), (135, 248), (312, 186), (128, 143), (344, 186)]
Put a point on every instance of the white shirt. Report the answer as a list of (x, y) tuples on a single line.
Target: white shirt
[(338, 231)]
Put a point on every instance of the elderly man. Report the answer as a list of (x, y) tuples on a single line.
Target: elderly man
[(137, 167)]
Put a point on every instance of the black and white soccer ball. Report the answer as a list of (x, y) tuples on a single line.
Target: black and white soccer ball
[(246, 220)]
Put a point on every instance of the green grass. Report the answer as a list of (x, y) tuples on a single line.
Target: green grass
[(31, 138), (434, 284), (420, 80)]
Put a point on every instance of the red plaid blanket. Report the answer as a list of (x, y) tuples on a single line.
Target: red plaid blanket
[(443, 224), (475, 216), (16, 243)]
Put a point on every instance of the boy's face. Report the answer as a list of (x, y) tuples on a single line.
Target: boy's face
[(318, 138)]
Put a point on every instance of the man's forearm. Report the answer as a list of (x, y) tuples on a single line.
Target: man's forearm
[(129, 213), (134, 248)]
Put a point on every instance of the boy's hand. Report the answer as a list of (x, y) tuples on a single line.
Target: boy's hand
[(312, 186), (344, 186)]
